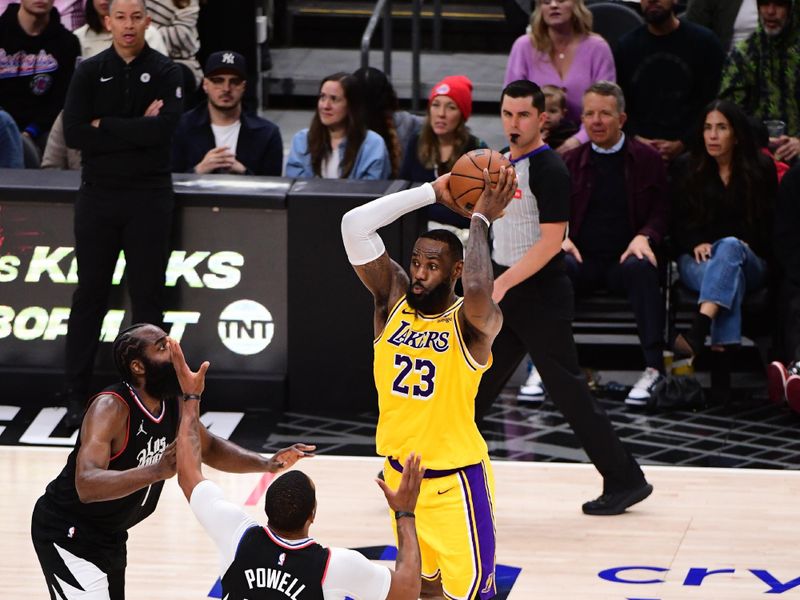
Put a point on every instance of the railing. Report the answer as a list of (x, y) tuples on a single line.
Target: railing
[(383, 9)]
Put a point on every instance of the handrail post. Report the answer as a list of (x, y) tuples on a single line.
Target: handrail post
[(370, 29), (387, 38), (415, 52)]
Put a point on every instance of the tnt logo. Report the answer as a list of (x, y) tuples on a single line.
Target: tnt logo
[(246, 327)]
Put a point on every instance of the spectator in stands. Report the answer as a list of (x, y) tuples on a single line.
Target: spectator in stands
[(669, 71), (56, 154), (762, 75), (95, 36), (382, 114), (731, 20), (784, 380), (338, 144), (70, 11), (618, 216), (561, 50), (176, 21), (442, 140), (723, 226), (217, 136), (557, 127), (10, 143), (39, 60)]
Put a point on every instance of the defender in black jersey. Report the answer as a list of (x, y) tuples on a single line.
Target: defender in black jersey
[(281, 561), (114, 475)]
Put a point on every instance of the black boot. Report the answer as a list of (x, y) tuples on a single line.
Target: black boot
[(692, 343)]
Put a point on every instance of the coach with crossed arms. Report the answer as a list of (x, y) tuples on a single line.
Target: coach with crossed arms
[(121, 110)]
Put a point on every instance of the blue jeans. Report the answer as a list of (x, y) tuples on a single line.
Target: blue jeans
[(732, 270)]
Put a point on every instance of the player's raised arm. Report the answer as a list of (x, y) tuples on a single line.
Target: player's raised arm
[(483, 316), (380, 274)]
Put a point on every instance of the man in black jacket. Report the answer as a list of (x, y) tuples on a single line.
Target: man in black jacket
[(218, 137), (38, 58), (121, 111)]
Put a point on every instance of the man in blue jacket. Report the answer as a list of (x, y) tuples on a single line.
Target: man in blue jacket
[(218, 137)]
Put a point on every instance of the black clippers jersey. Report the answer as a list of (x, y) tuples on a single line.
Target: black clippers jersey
[(146, 439), (267, 568)]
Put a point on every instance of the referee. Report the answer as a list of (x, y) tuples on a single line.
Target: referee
[(535, 294), (121, 110)]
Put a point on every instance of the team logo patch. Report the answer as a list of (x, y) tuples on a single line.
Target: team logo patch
[(40, 84), (443, 90), (145, 78), (228, 58)]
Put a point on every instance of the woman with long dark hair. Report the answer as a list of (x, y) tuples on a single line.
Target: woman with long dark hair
[(338, 144), (382, 114), (724, 224)]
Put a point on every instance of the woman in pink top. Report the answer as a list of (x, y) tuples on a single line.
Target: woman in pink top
[(561, 50)]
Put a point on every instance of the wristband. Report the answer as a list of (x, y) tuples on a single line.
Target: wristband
[(399, 514), (482, 217), (191, 397)]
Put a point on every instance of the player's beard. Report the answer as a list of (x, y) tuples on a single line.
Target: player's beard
[(160, 381), (432, 302)]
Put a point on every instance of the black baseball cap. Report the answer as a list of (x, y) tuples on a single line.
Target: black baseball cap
[(226, 61)]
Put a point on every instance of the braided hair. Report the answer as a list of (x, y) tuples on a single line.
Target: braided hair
[(127, 346)]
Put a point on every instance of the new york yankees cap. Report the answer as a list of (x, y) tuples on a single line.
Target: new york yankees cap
[(226, 61)]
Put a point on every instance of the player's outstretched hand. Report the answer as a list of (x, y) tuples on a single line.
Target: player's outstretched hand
[(494, 199), (405, 498), (284, 459), (443, 196), (192, 382)]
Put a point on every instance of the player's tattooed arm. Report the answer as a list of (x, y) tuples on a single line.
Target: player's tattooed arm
[(387, 281), (483, 317)]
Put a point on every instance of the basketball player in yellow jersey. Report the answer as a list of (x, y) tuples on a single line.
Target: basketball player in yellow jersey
[(431, 349)]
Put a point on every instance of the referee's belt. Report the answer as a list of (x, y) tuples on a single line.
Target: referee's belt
[(429, 473)]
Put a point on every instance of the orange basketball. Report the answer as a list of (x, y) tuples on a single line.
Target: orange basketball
[(466, 178)]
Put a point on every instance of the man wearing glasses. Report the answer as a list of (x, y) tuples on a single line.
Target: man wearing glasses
[(218, 137)]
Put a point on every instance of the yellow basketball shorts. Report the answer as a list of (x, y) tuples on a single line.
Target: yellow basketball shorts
[(455, 528)]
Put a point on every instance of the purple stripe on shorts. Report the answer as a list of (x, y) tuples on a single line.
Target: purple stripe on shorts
[(482, 520)]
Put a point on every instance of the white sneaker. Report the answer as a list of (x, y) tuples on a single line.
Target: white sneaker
[(641, 390), (533, 386)]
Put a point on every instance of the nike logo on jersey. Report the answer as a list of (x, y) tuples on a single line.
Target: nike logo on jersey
[(440, 492), (104, 79)]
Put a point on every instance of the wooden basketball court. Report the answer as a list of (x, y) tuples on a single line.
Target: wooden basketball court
[(741, 523)]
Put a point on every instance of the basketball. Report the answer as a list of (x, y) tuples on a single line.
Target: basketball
[(466, 178)]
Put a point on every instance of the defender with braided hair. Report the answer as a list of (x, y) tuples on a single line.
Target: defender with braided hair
[(114, 475)]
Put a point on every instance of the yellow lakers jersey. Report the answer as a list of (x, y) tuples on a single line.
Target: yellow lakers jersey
[(427, 381)]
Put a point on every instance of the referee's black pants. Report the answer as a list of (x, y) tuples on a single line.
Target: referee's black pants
[(537, 319), (107, 221)]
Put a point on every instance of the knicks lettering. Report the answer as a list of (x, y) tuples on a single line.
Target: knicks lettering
[(405, 336), (274, 579)]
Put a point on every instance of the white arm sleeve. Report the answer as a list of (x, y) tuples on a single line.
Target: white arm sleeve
[(350, 574), (224, 521), (360, 225)]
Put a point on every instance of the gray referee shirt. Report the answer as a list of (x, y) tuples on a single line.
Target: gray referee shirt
[(542, 197)]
